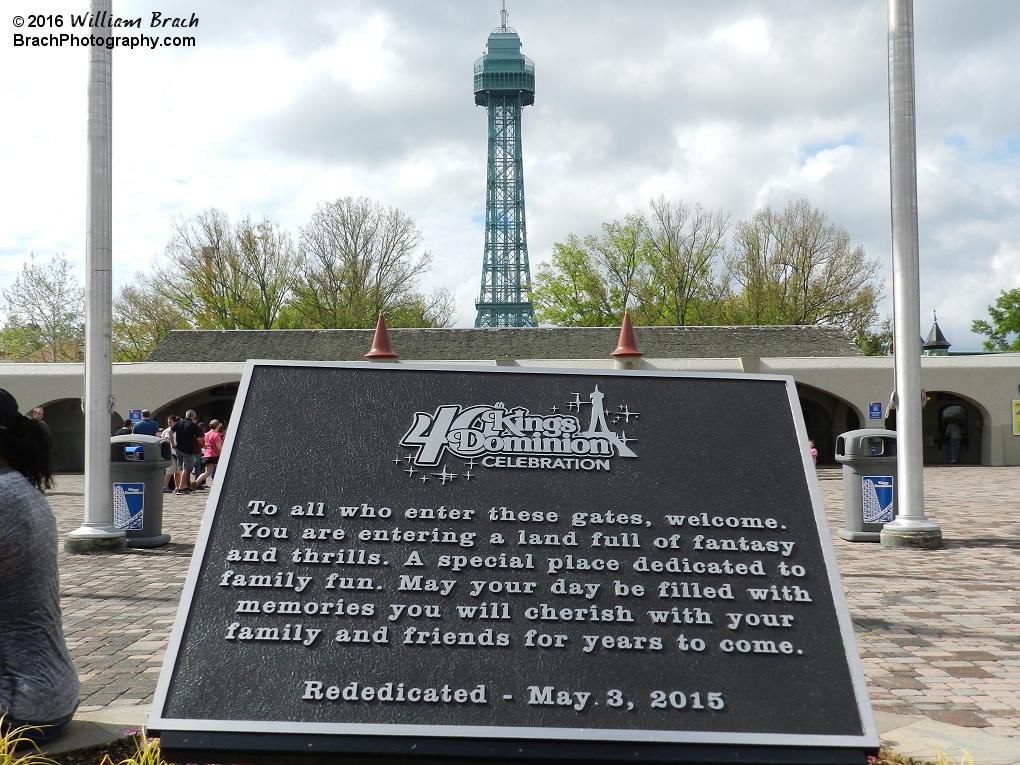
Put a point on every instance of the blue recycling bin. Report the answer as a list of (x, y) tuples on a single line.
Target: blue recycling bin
[(137, 466), (868, 457)]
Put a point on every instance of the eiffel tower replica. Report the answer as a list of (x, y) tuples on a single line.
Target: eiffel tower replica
[(504, 85)]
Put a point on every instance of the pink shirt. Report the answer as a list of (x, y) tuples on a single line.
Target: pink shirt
[(213, 444)]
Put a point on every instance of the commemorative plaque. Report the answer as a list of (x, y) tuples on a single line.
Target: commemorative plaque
[(408, 561)]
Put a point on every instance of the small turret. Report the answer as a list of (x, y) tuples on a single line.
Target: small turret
[(936, 344)]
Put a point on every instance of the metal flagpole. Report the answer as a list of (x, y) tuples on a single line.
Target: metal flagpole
[(911, 528), (98, 532)]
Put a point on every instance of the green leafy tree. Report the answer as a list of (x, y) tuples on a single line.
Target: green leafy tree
[(876, 341), (795, 267), (673, 267), (661, 267), (45, 310), (142, 317), (591, 281), (359, 258), (18, 342), (1003, 332)]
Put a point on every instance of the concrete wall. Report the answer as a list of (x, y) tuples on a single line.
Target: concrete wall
[(988, 382)]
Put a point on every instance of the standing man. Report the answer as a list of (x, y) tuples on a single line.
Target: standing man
[(189, 443), (146, 426), (955, 433), (37, 415)]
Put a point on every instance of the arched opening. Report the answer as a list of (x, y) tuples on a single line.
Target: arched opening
[(214, 403), (825, 417), (66, 421), (942, 408)]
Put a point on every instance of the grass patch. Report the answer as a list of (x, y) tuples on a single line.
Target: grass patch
[(146, 752), (17, 749), (17, 738), (887, 757)]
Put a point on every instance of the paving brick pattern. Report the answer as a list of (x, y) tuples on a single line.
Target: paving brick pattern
[(939, 631), (119, 609)]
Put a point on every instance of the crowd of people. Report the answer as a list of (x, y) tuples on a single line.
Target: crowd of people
[(195, 447)]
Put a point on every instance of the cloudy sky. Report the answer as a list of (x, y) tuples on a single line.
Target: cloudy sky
[(732, 104)]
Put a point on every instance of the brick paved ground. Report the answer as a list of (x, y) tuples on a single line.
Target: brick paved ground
[(119, 609), (939, 631)]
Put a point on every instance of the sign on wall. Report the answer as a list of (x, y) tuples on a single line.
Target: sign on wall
[(481, 562), (875, 410), (1016, 418)]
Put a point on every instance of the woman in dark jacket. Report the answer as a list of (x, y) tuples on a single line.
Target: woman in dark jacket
[(38, 682)]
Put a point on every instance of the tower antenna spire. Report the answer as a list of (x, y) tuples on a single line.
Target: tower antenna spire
[(502, 13)]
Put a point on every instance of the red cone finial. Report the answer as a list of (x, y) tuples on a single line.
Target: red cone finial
[(626, 346), (381, 348)]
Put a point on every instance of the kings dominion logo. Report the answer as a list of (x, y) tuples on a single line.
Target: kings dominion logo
[(516, 438)]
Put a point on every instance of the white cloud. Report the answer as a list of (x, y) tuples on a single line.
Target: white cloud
[(731, 105), (360, 58), (746, 36)]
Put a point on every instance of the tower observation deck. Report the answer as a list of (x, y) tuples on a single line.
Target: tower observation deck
[(505, 84)]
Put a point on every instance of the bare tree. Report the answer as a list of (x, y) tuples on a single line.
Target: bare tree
[(199, 275), (268, 262), (359, 258), (47, 299), (685, 247), (795, 267), (228, 277)]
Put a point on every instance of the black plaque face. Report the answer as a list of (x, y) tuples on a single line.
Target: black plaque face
[(453, 553)]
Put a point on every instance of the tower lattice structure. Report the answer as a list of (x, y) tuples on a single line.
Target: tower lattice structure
[(504, 85)]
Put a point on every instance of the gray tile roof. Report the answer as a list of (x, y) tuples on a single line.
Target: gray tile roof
[(523, 343)]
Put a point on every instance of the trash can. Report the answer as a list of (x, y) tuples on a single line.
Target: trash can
[(137, 466), (869, 482)]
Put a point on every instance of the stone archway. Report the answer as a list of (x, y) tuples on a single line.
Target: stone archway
[(942, 407), (825, 417), (215, 403), (66, 421)]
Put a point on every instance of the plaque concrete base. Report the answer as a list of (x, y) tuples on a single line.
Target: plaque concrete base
[(89, 540), (155, 541), (859, 536), (918, 539), (207, 747)]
